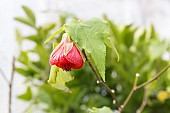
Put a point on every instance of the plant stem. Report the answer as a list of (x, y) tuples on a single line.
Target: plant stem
[(154, 78), (131, 92), (135, 88), (10, 86), (144, 101), (99, 81)]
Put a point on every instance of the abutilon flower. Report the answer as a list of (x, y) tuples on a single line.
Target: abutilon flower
[(66, 55)]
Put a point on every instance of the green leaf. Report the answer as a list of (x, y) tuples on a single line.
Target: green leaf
[(53, 35), (25, 21), (42, 53), (29, 13), (156, 49), (90, 35), (18, 37), (113, 27), (128, 35), (27, 95), (101, 110), (34, 38), (151, 32), (25, 72), (23, 57), (48, 27), (58, 78)]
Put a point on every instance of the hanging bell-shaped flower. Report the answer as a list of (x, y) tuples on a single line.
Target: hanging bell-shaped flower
[(66, 55)]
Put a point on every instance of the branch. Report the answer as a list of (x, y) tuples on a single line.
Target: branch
[(99, 81), (131, 92), (10, 85), (144, 101), (4, 76), (135, 88), (154, 78)]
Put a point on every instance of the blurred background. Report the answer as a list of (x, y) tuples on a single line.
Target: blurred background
[(50, 15)]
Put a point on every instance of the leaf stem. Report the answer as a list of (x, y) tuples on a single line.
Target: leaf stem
[(99, 81), (131, 93), (144, 101)]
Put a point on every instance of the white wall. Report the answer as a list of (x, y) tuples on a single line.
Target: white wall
[(121, 11)]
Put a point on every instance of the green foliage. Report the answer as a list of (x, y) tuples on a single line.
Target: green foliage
[(101, 110), (53, 35), (30, 20), (90, 35), (140, 51), (27, 95)]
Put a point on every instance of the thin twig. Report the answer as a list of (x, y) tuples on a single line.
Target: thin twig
[(4, 76), (144, 101), (99, 81), (134, 89), (10, 86), (131, 92), (154, 78)]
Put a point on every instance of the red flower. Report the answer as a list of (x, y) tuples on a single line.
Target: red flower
[(66, 55)]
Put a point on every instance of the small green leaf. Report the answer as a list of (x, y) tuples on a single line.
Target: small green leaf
[(156, 49), (101, 110), (34, 38), (90, 35), (25, 72), (42, 53), (18, 37), (25, 21), (48, 27), (113, 27), (29, 13), (53, 35), (128, 35), (27, 95), (58, 78), (151, 32), (23, 57)]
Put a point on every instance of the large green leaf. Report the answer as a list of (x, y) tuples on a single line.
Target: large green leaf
[(101, 110), (58, 78), (90, 35), (27, 95)]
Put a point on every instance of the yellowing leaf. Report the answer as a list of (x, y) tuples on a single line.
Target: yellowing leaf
[(58, 78)]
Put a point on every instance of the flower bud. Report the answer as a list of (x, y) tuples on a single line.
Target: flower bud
[(66, 55)]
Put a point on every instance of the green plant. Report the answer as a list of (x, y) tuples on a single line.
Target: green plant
[(139, 52)]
